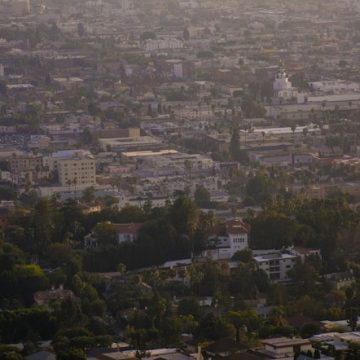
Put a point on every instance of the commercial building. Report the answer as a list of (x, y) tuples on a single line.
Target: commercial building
[(130, 143)]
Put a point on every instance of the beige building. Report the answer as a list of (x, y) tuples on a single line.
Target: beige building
[(74, 167), (25, 163), (77, 171)]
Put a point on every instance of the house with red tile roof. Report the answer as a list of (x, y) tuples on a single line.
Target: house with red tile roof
[(124, 232), (227, 238)]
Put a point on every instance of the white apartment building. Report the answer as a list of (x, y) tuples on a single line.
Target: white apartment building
[(276, 263), (162, 44)]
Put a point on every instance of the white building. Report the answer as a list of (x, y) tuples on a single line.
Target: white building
[(286, 348), (124, 232), (226, 239), (162, 44), (335, 86), (276, 263), (178, 70), (282, 86), (2, 70)]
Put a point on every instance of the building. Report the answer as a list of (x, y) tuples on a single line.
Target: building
[(163, 44), (284, 347), (226, 239), (121, 144), (222, 348), (44, 298), (74, 167), (124, 232), (21, 163), (282, 86), (120, 133), (341, 280), (276, 263), (41, 355), (334, 86), (178, 70), (303, 253)]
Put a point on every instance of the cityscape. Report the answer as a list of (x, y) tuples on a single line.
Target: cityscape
[(179, 179)]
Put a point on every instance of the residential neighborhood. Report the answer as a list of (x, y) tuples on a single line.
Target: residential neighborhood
[(179, 179)]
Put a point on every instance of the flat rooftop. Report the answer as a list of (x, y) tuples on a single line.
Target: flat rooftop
[(147, 153), (285, 342)]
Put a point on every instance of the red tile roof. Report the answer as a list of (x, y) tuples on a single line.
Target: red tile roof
[(131, 228), (235, 226)]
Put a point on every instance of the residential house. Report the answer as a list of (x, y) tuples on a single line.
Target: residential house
[(341, 280), (44, 298), (226, 239), (124, 232), (284, 347)]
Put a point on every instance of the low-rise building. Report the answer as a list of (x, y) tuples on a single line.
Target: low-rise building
[(20, 163), (284, 347), (276, 263), (226, 239), (124, 232)]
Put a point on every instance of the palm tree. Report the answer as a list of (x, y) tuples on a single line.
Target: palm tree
[(305, 131), (69, 182), (293, 129)]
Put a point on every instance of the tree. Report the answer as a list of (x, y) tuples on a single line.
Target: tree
[(30, 278), (235, 144), (69, 313), (238, 320), (81, 29), (272, 230), (147, 35), (186, 34), (189, 306), (214, 328), (58, 254), (71, 354), (43, 225), (183, 215), (293, 129), (276, 316), (105, 234), (202, 196), (308, 330), (352, 314), (245, 256), (259, 188), (89, 194)]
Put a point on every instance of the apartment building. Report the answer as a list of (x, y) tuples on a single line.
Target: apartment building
[(21, 163), (276, 263), (77, 171), (74, 167)]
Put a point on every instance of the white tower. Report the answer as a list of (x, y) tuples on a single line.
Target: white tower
[(282, 86)]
